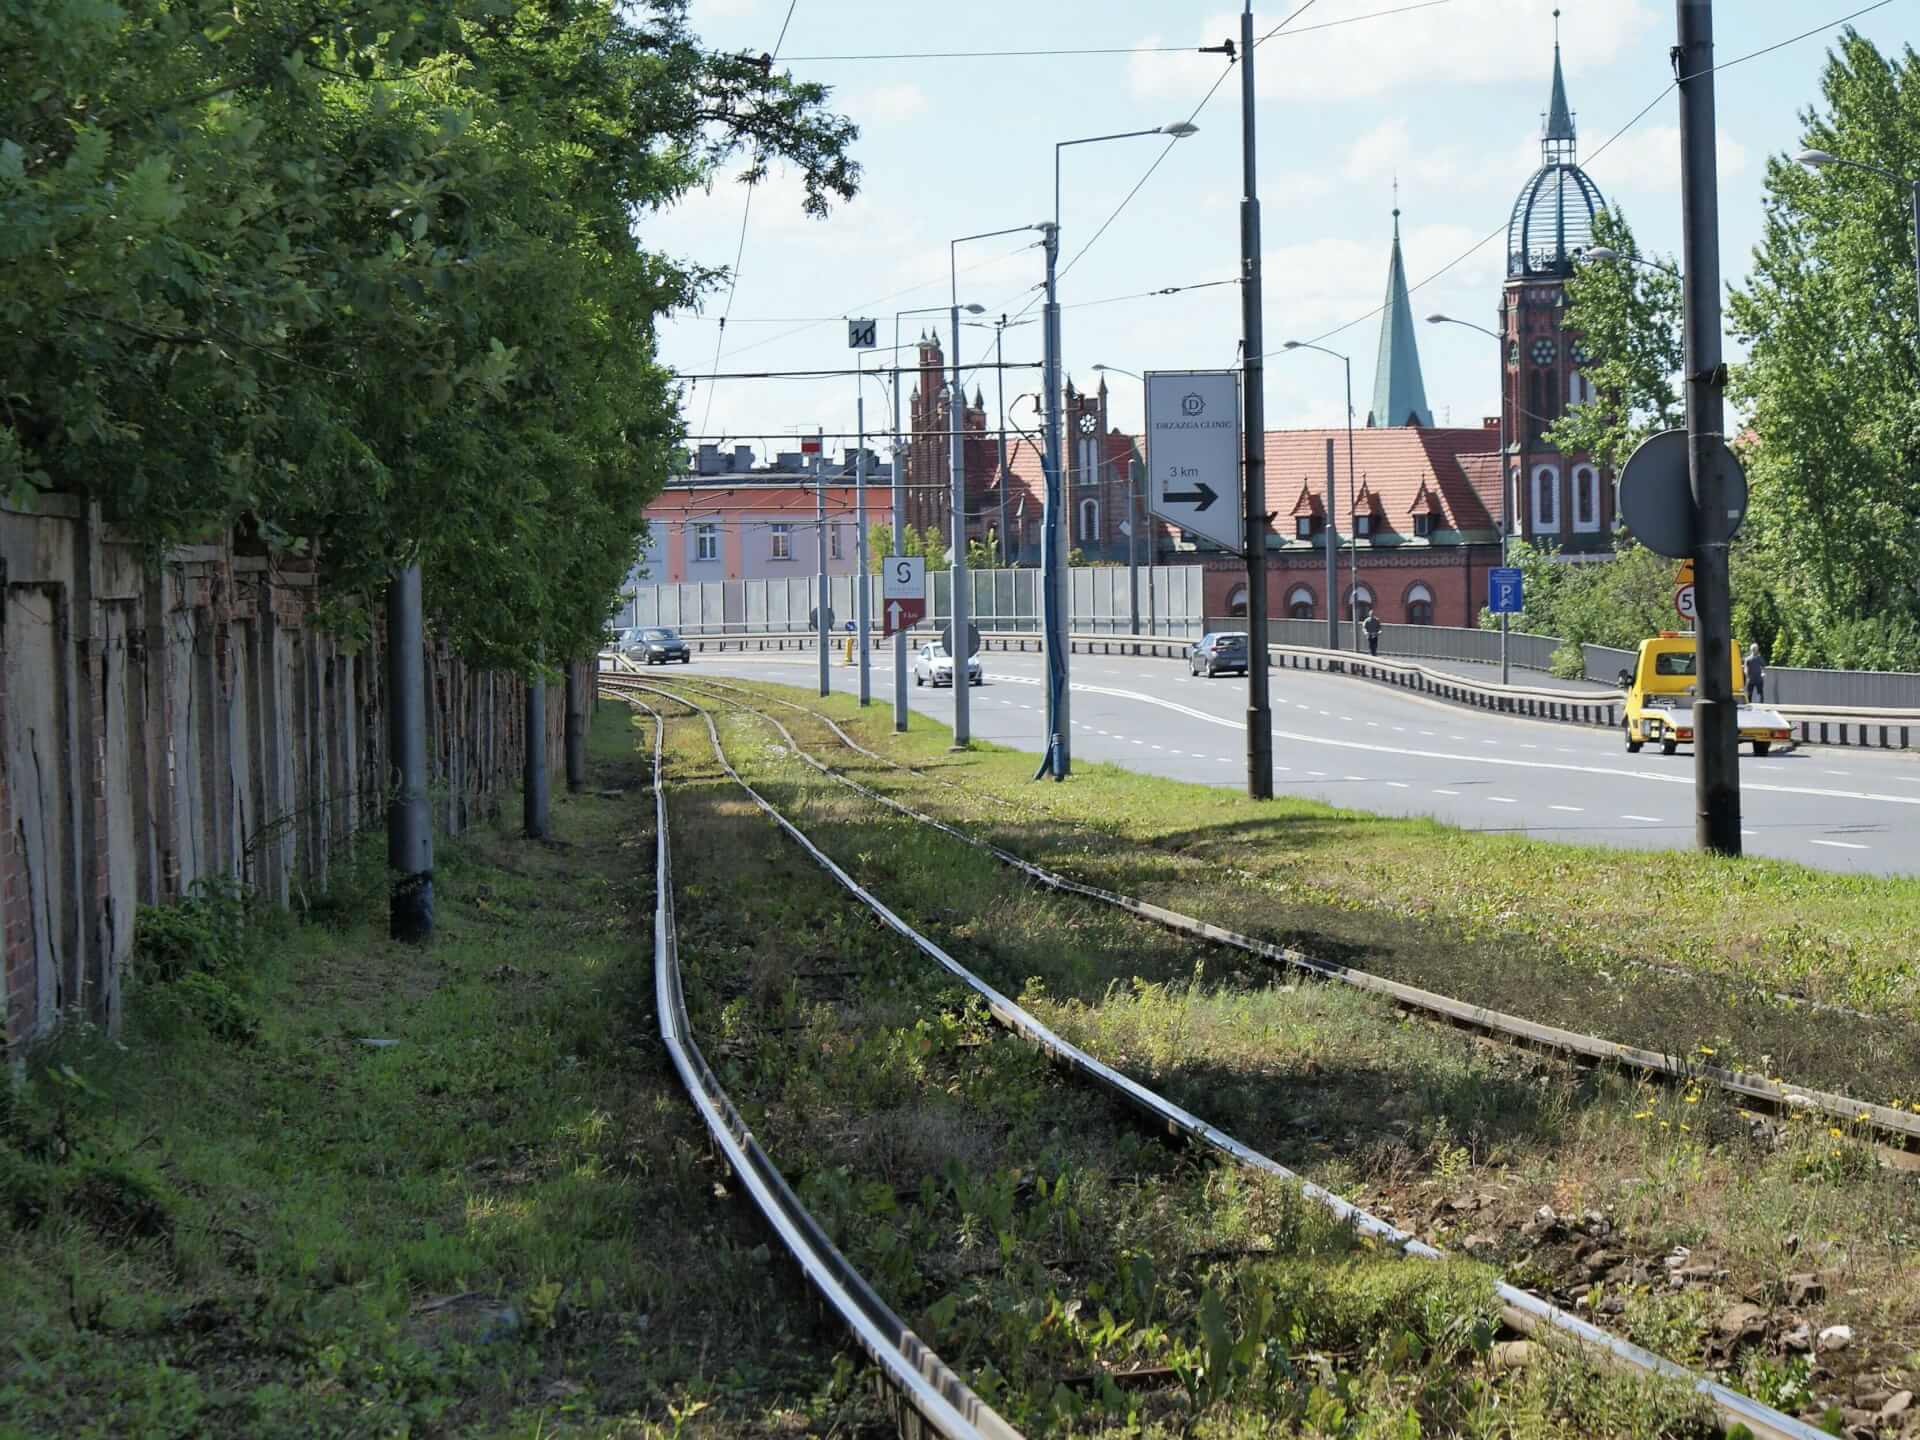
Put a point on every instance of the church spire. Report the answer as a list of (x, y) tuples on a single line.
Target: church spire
[(1399, 396), (1557, 141)]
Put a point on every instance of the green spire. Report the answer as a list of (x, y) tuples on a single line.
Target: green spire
[(1399, 397), (1559, 116)]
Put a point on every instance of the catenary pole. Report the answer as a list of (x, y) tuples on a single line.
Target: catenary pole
[(1353, 531), (1253, 399), (958, 650), (1000, 374), (862, 582), (409, 826), (533, 787), (899, 478), (1716, 758), (1333, 558), (822, 609)]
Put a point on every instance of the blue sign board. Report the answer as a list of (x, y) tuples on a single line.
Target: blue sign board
[(1503, 590)]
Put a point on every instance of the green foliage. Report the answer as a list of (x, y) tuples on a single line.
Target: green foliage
[(362, 279), (1628, 318), (1832, 383), (205, 932)]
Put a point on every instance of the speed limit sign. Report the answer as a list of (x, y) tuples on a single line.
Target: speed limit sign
[(1683, 602)]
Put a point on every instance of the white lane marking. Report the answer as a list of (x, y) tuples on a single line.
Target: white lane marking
[(1839, 845), (1357, 779), (1656, 776), (1319, 774), (1644, 819), (1529, 747), (1446, 792), (1836, 772), (1570, 809), (1373, 724), (1277, 767), (1399, 785), (1502, 800)]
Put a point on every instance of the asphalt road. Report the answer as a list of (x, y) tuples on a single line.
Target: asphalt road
[(1367, 747)]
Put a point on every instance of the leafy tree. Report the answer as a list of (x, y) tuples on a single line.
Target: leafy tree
[(363, 277), (1628, 317), (983, 554), (1832, 384)]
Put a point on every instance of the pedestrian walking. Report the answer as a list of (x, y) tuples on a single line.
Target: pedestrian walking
[(1756, 675), (1372, 627)]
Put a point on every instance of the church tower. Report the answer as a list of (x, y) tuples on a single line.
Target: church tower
[(1554, 498), (1399, 395)]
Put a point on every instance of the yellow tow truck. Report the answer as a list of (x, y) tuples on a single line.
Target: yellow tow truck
[(1660, 695)]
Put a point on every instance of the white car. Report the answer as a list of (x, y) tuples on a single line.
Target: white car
[(932, 665)]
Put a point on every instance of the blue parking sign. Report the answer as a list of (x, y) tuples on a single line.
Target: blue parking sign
[(1503, 590)]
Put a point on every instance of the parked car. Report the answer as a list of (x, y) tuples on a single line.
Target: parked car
[(932, 665), (1222, 650), (657, 645)]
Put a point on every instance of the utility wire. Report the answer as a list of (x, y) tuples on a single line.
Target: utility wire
[(1638, 116), (837, 373), (740, 246)]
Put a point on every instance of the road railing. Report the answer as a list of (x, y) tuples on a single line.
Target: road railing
[(1600, 709)]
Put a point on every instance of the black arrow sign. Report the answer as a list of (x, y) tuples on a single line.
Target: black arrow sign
[(1199, 498)]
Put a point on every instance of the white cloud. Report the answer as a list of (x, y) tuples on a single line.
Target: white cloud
[(1468, 42), (885, 105), (1649, 159), (1389, 150)]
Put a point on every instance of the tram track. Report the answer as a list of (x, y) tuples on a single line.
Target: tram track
[(1522, 1309), (1895, 1134)]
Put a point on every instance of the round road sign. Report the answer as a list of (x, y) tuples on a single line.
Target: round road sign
[(1683, 602), (1657, 501), (973, 637)]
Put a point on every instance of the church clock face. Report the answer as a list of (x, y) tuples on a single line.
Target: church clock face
[(1543, 351), (1089, 423)]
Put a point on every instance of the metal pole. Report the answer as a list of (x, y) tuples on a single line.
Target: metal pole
[(1716, 756), (1506, 519), (1001, 382), (899, 478), (533, 785), (958, 649), (1353, 534), (822, 611), (863, 583), (409, 825), (1259, 715), (576, 728), (1133, 544), (1333, 559), (1053, 537)]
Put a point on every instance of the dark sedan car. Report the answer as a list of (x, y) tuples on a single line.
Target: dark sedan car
[(656, 645), (1222, 650)]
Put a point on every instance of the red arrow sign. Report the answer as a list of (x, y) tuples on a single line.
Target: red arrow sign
[(903, 614)]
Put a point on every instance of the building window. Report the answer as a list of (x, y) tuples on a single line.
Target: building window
[(1237, 602), (1089, 520), (833, 542), (1300, 603), (1303, 527), (1586, 498), (1419, 605), (782, 541), (1362, 524), (1546, 499), (1360, 602), (1423, 525), (706, 542)]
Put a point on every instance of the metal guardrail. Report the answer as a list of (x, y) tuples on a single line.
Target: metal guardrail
[(1525, 1311), (1604, 709), (927, 1396)]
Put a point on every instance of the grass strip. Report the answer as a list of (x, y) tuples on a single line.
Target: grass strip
[(328, 1185)]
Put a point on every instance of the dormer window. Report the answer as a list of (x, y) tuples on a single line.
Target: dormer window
[(1303, 527), (1423, 525), (1363, 525)]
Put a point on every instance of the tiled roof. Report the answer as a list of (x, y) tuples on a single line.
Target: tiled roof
[(1457, 465)]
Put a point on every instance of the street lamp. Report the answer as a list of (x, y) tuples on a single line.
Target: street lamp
[(1353, 539), (1609, 254), (1133, 519), (900, 508), (1506, 484), (1054, 545), (1819, 159), (960, 627)]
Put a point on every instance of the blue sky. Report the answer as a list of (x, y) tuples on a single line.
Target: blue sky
[(1448, 98)]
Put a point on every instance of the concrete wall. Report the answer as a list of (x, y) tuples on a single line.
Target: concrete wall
[(163, 722)]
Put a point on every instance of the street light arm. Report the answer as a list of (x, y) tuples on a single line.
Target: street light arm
[(1450, 320), (1820, 159)]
